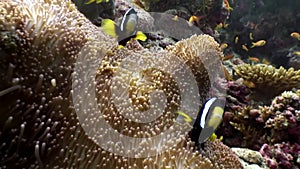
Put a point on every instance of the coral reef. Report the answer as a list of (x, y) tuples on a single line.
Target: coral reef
[(268, 81), (267, 124), (274, 126), (39, 127), (283, 155)]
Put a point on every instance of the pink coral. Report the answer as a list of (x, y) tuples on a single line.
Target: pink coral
[(282, 155)]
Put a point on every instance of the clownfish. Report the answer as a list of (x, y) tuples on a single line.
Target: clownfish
[(209, 118), (126, 30)]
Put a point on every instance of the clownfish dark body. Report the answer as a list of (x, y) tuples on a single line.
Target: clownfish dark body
[(208, 119), (126, 30)]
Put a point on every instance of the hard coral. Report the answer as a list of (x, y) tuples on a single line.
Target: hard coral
[(281, 155), (268, 80), (39, 124), (286, 111), (267, 124)]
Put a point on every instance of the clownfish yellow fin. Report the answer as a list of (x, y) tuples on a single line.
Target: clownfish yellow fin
[(140, 36), (121, 46), (97, 1), (186, 117), (90, 1), (213, 137), (109, 27)]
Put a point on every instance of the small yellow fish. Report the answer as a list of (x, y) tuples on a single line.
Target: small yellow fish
[(251, 36), (186, 117), (297, 53), (265, 61), (194, 19), (226, 5), (244, 47), (223, 45), (219, 26), (236, 39), (97, 1), (295, 35), (225, 25), (258, 43), (175, 18)]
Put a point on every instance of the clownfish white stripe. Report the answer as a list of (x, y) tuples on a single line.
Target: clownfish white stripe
[(206, 110), (124, 18)]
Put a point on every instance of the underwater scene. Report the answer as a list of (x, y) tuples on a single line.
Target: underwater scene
[(150, 84)]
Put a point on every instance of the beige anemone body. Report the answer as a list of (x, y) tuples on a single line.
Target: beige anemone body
[(39, 125)]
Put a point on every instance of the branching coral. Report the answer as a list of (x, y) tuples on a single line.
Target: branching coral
[(268, 80), (284, 155), (267, 124), (39, 124)]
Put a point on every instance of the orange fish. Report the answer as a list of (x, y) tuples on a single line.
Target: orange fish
[(194, 19), (249, 84), (227, 57), (254, 59), (265, 61), (139, 3), (227, 75), (295, 35), (223, 45), (226, 5)]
